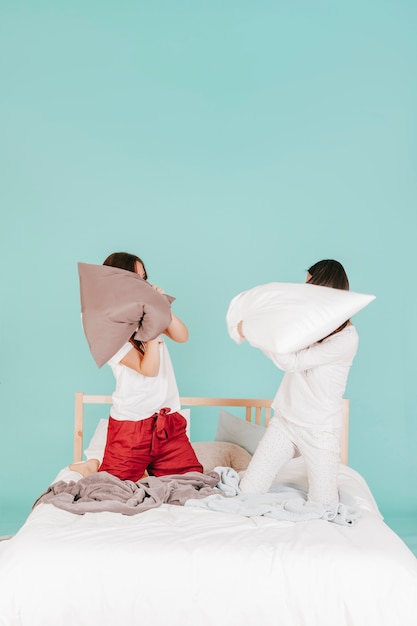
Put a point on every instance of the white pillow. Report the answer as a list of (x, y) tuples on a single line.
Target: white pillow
[(239, 431), (286, 317), (95, 448)]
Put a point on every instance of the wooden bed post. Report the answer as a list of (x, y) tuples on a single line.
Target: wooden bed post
[(78, 425)]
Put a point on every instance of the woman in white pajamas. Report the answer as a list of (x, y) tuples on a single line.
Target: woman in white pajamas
[(308, 405)]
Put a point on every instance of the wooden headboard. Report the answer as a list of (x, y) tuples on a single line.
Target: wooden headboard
[(257, 411)]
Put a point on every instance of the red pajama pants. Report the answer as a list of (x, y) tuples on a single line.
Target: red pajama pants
[(158, 444)]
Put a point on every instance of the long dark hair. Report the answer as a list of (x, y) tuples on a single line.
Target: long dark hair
[(329, 273), (126, 261)]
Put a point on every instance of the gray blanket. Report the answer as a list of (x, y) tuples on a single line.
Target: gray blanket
[(104, 492), (217, 491)]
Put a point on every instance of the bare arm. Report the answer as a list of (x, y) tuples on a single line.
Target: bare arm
[(146, 364), (177, 330)]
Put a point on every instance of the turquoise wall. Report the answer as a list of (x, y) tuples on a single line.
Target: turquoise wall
[(228, 144)]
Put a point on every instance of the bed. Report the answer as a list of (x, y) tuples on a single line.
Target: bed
[(190, 565)]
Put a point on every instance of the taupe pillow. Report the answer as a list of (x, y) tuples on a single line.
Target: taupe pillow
[(116, 302)]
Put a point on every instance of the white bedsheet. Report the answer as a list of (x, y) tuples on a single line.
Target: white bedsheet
[(185, 566)]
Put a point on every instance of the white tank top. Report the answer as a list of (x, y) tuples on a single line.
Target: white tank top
[(136, 396)]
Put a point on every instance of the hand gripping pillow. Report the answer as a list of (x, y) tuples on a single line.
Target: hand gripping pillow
[(286, 317)]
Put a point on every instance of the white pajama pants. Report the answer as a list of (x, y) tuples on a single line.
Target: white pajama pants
[(320, 449)]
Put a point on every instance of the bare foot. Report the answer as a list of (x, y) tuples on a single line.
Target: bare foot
[(85, 468)]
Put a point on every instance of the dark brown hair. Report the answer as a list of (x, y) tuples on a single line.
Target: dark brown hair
[(329, 273), (126, 261)]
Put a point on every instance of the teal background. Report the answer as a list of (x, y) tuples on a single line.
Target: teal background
[(228, 144)]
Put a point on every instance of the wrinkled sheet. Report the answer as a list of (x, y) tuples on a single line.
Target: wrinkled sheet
[(103, 492), (283, 502), (186, 566), (217, 490)]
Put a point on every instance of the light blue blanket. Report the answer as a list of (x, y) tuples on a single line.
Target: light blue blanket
[(283, 502)]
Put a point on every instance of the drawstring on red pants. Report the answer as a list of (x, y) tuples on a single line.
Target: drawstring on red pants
[(161, 426)]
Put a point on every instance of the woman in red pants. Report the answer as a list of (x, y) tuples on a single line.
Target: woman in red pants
[(145, 432)]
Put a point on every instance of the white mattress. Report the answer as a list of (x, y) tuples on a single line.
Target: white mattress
[(185, 566)]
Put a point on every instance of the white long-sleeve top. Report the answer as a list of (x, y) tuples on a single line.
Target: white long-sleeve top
[(315, 379)]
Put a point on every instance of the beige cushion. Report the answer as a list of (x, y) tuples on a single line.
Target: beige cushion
[(213, 454)]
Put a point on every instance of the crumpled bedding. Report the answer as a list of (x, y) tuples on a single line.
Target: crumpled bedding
[(104, 492), (283, 502), (217, 490), (204, 567)]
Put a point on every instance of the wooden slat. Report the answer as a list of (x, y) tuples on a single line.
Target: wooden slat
[(80, 400), (267, 415), (78, 426), (201, 401), (97, 399), (258, 404)]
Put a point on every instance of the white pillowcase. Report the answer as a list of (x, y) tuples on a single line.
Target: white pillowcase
[(286, 317), (95, 448), (237, 430)]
